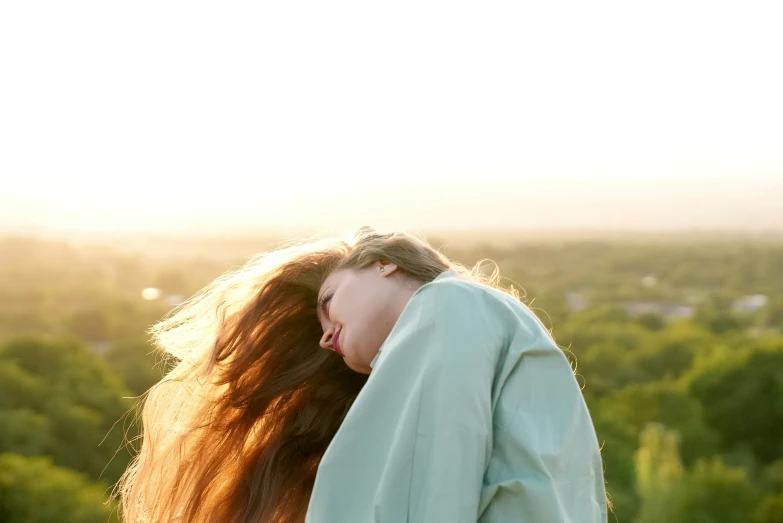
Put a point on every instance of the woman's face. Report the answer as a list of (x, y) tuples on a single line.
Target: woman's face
[(358, 308)]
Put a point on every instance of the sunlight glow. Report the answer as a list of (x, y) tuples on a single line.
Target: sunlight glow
[(220, 117)]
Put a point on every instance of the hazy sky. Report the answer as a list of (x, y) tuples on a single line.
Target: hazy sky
[(229, 115)]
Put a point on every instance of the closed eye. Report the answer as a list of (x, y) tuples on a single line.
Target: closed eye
[(323, 303)]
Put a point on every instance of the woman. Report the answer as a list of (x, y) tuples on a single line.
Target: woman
[(465, 409)]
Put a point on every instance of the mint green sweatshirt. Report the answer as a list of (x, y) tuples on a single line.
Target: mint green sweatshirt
[(471, 414)]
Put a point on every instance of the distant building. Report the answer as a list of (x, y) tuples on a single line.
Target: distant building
[(99, 347), (577, 301), (750, 303), (649, 281), (638, 308), (668, 311), (679, 312)]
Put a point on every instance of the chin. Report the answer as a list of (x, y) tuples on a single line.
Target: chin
[(358, 367)]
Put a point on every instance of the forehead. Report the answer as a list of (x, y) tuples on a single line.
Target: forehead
[(333, 280)]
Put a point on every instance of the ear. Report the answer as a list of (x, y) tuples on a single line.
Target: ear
[(388, 267)]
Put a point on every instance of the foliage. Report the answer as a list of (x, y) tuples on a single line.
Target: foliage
[(59, 400), (688, 408), (32, 490), (742, 397)]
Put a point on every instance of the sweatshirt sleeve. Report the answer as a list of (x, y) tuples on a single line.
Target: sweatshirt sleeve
[(546, 463), (416, 443)]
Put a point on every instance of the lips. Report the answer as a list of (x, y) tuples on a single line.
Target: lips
[(336, 342)]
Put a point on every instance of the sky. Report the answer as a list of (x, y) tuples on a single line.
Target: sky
[(221, 117)]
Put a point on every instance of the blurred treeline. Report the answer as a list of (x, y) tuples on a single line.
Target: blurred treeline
[(678, 346)]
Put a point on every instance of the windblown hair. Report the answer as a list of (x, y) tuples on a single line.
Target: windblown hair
[(235, 431)]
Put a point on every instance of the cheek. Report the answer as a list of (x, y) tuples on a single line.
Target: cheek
[(353, 307), (364, 310), (360, 309), (372, 325), (358, 318)]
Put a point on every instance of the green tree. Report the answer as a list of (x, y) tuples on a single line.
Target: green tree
[(137, 362), (89, 324), (659, 473), (33, 490), (60, 400), (672, 352), (711, 491), (770, 510), (25, 431), (721, 322), (638, 405), (742, 396), (651, 321)]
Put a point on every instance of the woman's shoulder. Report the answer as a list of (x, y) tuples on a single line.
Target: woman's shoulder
[(451, 291), (453, 296), (455, 288)]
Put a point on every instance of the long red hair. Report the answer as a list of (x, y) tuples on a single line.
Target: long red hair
[(235, 431)]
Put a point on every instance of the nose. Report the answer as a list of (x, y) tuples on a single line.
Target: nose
[(326, 339)]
